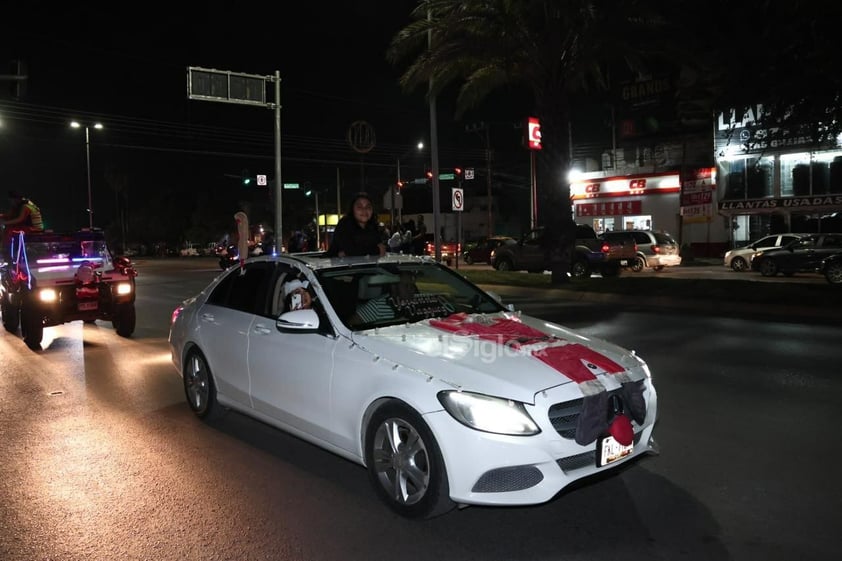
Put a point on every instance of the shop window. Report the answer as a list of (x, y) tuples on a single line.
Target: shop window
[(759, 178), (835, 175), (821, 178), (795, 170)]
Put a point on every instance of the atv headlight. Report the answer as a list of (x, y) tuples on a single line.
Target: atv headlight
[(47, 295), (123, 288), (489, 414)]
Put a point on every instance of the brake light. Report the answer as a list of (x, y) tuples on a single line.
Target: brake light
[(175, 313), (605, 247), (656, 248), (429, 247)]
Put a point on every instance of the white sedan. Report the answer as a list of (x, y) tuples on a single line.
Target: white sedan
[(399, 364)]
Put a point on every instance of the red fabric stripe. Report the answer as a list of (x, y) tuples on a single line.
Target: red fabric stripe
[(570, 361), (567, 359)]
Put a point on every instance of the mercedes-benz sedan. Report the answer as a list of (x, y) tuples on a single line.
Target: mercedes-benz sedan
[(399, 364)]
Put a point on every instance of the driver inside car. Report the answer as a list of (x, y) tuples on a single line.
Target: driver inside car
[(382, 306)]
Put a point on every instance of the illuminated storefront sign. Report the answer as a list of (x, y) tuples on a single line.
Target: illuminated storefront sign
[(609, 208)]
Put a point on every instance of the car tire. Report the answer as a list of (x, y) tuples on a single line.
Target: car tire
[(404, 463), (767, 268), (32, 327), (833, 273), (11, 316), (739, 264), (637, 264), (125, 320), (580, 269), (200, 387), (504, 265)]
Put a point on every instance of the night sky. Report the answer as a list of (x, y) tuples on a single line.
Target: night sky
[(126, 67)]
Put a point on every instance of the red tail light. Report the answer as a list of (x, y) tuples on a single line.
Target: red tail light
[(656, 248), (175, 313), (605, 247)]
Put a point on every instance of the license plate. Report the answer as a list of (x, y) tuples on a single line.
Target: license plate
[(609, 450), (83, 306), (624, 262)]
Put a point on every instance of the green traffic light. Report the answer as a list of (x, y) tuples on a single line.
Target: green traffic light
[(246, 180)]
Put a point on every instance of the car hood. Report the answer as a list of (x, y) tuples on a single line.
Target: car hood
[(479, 363)]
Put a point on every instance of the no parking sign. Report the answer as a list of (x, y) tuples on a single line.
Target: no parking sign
[(458, 199)]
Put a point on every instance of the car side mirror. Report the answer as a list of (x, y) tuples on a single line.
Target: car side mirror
[(298, 320)]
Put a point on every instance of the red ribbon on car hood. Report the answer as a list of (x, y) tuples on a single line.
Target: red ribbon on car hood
[(577, 362)]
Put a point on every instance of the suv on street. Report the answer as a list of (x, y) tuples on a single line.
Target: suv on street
[(590, 253), (48, 279), (654, 249)]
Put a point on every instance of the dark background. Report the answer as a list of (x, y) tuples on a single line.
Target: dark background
[(166, 166)]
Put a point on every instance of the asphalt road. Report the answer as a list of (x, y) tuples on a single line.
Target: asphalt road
[(102, 459)]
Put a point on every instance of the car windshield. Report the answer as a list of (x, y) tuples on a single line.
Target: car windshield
[(381, 294)]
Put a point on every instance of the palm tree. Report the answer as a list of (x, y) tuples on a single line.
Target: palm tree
[(554, 49)]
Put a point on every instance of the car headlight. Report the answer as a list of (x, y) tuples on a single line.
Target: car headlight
[(489, 414)]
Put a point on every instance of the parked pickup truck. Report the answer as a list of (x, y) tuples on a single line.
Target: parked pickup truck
[(591, 253)]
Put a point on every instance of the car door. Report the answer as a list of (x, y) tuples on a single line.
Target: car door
[(532, 251), (225, 322), (797, 255), (291, 371)]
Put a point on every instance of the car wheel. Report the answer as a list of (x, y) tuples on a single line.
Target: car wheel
[(637, 264), (125, 320), (199, 387), (580, 269), (833, 273), (504, 265), (468, 260), (11, 316), (739, 264), (404, 463), (768, 268), (32, 327)]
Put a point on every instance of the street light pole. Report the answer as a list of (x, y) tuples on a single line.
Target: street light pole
[(77, 125)]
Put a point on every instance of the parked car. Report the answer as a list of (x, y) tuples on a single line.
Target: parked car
[(443, 394), (53, 278), (481, 251), (654, 249), (590, 253), (802, 255), (739, 259), (832, 268), (449, 250)]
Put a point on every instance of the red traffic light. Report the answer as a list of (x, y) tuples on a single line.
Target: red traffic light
[(429, 174), (457, 171)]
